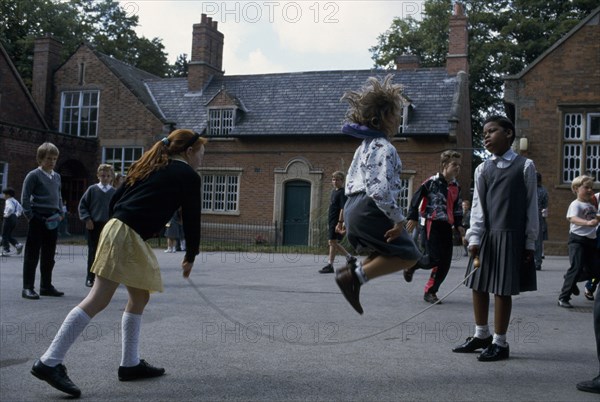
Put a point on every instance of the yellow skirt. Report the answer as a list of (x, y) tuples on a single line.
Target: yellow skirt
[(124, 257)]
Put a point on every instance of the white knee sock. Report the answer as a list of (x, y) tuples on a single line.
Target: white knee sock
[(71, 328), (500, 340), (130, 335), (482, 331)]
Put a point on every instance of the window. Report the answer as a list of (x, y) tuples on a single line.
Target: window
[(406, 112), (3, 174), (220, 193), (581, 145), (121, 158), (220, 121), (79, 113), (404, 196)]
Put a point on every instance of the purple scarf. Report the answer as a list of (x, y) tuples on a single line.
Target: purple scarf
[(362, 132)]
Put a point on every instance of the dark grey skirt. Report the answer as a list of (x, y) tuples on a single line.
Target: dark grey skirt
[(366, 226), (502, 271)]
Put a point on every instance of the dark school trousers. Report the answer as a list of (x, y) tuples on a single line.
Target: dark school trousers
[(581, 255), (439, 248), (40, 247)]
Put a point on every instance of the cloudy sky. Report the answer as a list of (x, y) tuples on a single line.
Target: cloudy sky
[(276, 35)]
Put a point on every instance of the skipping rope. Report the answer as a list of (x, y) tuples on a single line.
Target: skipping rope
[(259, 334)]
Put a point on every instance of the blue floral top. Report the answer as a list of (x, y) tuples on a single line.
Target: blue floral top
[(375, 170)]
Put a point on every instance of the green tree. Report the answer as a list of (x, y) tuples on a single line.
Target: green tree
[(103, 24), (22, 21), (504, 37), (180, 68)]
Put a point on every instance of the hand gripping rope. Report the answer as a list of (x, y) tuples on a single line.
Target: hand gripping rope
[(476, 265)]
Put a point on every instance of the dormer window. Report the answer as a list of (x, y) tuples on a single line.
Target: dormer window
[(220, 121), (405, 118)]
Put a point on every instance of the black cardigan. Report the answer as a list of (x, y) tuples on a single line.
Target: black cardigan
[(149, 204)]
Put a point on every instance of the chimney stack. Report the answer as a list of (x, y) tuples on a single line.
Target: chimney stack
[(457, 57), (407, 62), (207, 54), (46, 58)]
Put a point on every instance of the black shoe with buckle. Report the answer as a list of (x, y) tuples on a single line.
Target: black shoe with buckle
[(56, 377), (493, 353), (327, 269), (350, 286), (472, 344), (89, 282), (51, 291), (29, 294), (142, 370)]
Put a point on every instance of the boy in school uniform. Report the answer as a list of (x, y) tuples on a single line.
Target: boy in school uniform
[(43, 208), (93, 210), (336, 222)]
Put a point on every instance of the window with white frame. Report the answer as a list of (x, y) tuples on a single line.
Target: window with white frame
[(220, 192), (220, 121), (79, 113), (404, 196), (3, 174), (121, 157), (405, 117), (581, 145)]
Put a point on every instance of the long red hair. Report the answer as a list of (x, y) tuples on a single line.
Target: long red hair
[(158, 156)]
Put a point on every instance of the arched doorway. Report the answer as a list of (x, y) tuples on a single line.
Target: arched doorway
[(296, 212)]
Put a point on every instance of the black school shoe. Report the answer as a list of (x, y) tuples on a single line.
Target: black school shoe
[(327, 269), (56, 377), (142, 370), (590, 386), (51, 291), (472, 344), (493, 353), (349, 285)]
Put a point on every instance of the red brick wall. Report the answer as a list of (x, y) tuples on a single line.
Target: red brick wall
[(569, 75), (259, 157), (123, 119), (16, 106)]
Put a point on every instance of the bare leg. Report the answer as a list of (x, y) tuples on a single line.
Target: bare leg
[(339, 248), (502, 311), (382, 265), (332, 250), (481, 305), (138, 298), (99, 297)]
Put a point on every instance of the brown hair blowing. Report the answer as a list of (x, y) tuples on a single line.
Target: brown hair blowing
[(158, 156)]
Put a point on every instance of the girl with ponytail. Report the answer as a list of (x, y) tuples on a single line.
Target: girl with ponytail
[(160, 182)]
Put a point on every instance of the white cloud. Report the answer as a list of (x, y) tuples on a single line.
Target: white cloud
[(276, 36)]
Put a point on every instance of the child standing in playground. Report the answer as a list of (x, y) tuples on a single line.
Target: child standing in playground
[(504, 228)]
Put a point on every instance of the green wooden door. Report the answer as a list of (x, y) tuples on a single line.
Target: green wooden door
[(296, 213)]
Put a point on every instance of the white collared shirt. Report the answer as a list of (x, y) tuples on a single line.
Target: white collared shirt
[(50, 175), (103, 187)]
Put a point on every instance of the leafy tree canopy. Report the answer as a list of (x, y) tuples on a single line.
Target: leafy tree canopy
[(103, 24), (504, 37)]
